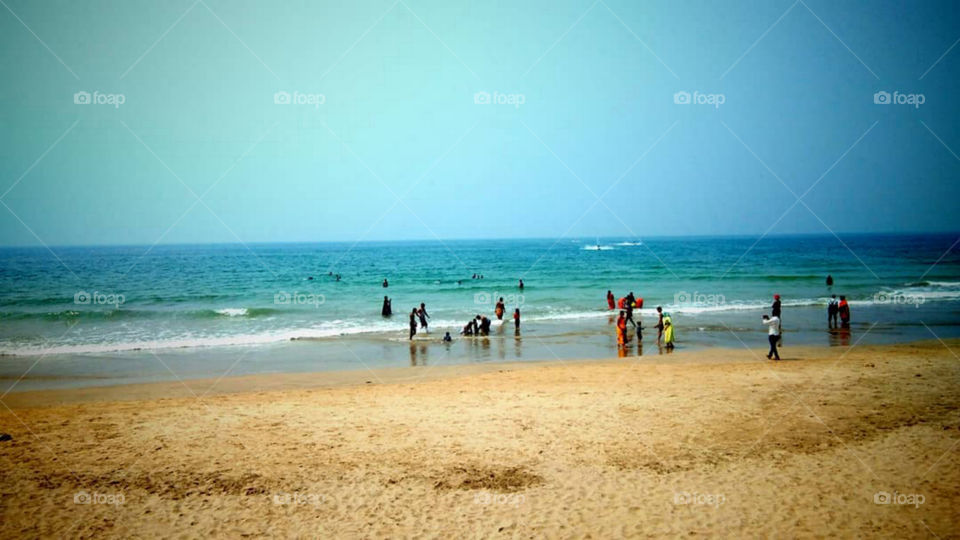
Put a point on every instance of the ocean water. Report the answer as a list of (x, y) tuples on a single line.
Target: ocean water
[(107, 314)]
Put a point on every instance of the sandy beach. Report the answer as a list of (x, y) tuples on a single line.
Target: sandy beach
[(714, 443)]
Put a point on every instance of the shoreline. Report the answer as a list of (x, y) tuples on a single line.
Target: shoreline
[(203, 387)]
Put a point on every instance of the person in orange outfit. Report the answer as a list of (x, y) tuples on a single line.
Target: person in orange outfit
[(622, 330)]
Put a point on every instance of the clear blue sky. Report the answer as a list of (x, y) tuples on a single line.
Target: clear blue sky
[(399, 118)]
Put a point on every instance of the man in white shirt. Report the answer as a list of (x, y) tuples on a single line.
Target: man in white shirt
[(773, 335)]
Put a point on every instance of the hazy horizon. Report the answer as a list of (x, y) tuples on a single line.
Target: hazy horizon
[(588, 239)]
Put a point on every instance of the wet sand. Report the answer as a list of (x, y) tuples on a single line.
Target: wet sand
[(718, 442)]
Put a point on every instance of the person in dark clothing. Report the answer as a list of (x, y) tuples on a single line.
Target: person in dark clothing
[(775, 312), (484, 326), (829, 280), (385, 284), (833, 308), (422, 313), (387, 309), (413, 323), (516, 319), (659, 324), (629, 305)]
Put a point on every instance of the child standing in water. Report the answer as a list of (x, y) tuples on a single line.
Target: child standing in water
[(516, 319), (500, 309)]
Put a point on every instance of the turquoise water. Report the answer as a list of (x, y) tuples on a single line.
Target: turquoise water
[(105, 312)]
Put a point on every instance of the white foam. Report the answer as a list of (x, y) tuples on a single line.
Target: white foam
[(398, 326), (232, 312)]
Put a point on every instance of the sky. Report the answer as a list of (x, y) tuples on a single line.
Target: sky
[(263, 121)]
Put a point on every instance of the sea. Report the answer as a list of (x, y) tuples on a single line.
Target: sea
[(89, 316)]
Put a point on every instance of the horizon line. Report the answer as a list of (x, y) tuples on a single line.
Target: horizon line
[(421, 240)]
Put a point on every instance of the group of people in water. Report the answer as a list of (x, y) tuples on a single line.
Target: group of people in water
[(774, 322), (626, 305), (836, 309), (480, 325), (416, 314), (838, 316)]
